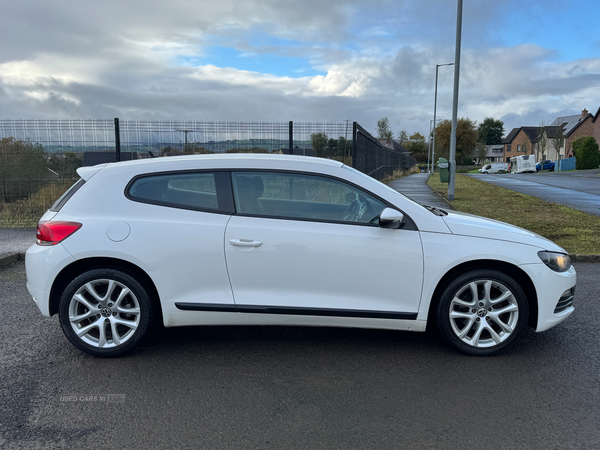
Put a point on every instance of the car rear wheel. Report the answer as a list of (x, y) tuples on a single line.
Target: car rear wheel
[(105, 312), (482, 312)]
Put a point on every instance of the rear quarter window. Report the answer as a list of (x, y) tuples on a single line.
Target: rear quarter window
[(58, 204), (205, 191)]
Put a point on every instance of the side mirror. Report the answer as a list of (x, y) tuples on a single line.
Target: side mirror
[(390, 218)]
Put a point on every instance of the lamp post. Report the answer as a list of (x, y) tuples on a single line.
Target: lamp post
[(429, 157), (437, 66), (452, 162)]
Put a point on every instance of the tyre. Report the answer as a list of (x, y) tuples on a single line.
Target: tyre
[(482, 312), (105, 312)]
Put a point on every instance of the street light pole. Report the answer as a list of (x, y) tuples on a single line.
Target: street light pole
[(452, 171), (437, 66)]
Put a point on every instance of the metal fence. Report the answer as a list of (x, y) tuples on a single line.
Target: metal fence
[(39, 157), (566, 164), (372, 158)]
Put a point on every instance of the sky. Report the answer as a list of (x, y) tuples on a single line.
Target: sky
[(523, 62)]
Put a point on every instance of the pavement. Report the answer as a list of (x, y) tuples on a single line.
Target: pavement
[(13, 244), (416, 188)]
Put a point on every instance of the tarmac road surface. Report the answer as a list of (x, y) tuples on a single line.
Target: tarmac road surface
[(578, 190), (298, 388)]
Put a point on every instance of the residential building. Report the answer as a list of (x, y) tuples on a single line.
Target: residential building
[(520, 141), (493, 153), (555, 144), (576, 126)]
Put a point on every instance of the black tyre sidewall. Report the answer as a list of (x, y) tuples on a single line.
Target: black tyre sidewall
[(146, 313), (443, 311)]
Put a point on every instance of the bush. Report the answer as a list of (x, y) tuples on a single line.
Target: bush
[(586, 151), (23, 169)]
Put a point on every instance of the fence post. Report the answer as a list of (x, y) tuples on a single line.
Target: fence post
[(117, 140), (354, 144), (291, 138)]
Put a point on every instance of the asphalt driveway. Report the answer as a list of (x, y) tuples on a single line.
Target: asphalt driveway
[(578, 190)]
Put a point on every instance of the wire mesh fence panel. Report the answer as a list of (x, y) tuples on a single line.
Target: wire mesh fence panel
[(39, 157), (371, 157)]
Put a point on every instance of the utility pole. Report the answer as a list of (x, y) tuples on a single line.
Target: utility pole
[(185, 132)]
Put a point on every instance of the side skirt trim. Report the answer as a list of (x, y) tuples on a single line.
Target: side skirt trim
[(295, 311)]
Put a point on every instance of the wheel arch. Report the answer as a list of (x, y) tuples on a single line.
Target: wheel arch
[(78, 267), (507, 268)]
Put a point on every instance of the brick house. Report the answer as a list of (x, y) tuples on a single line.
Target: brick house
[(596, 121), (520, 141), (584, 124)]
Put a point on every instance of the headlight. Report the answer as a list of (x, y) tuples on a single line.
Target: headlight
[(558, 262)]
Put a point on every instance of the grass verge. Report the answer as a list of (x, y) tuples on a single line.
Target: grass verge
[(575, 231)]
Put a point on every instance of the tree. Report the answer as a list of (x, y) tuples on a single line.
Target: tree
[(525, 147), (466, 140), (23, 169), (319, 143), (344, 146), (383, 129), (490, 131), (586, 151), (65, 165), (402, 137), (417, 147), (558, 141), (542, 142), (481, 152), (332, 148)]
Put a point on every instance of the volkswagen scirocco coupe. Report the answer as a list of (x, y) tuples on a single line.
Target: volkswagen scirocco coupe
[(282, 240)]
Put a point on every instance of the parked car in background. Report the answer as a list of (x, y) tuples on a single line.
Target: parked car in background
[(545, 165), (494, 168), (522, 164), (282, 240)]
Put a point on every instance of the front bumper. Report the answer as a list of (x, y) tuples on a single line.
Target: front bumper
[(550, 287)]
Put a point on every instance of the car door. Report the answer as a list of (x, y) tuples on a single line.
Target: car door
[(180, 220), (307, 244)]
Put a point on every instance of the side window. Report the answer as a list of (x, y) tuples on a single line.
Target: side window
[(298, 196), (203, 191)]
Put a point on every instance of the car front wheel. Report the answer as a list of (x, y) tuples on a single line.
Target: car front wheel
[(482, 312), (105, 312)]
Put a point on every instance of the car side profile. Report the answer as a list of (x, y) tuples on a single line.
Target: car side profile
[(546, 164), (282, 240)]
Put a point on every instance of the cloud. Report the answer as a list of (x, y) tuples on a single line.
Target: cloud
[(371, 59)]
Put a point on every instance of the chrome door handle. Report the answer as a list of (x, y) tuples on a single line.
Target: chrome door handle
[(245, 243)]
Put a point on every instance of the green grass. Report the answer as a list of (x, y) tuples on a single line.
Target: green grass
[(575, 231), (27, 212)]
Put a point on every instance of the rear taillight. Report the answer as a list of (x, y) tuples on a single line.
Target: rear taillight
[(51, 233)]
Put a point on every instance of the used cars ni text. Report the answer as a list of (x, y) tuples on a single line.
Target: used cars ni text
[(282, 240)]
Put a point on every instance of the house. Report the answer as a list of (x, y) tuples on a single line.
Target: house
[(554, 137), (584, 124), (596, 121), (493, 153), (520, 141)]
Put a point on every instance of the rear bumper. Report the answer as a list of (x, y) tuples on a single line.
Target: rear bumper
[(42, 265)]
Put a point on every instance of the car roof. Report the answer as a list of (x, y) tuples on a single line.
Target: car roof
[(214, 161)]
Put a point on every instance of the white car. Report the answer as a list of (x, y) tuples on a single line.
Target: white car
[(282, 240), (494, 168)]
